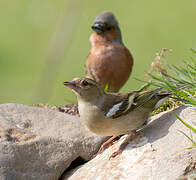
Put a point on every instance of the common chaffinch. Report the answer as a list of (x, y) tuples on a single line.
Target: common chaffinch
[(113, 114), (109, 61)]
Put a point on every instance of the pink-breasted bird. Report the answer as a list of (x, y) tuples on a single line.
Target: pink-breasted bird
[(109, 62)]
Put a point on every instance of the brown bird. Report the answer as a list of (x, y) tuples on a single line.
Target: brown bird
[(109, 62), (114, 114)]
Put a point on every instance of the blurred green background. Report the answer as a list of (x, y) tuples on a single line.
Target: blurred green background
[(43, 43)]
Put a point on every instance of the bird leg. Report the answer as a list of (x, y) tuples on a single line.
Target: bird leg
[(129, 138), (107, 144)]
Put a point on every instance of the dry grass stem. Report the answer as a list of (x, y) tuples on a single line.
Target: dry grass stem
[(157, 63)]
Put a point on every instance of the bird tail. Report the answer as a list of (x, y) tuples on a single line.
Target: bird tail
[(155, 98), (164, 95), (170, 92)]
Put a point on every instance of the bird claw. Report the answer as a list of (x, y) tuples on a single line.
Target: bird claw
[(116, 153), (129, 138), (105, 145)]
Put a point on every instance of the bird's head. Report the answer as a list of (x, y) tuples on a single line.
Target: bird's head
[(85, 88), (105, 25)]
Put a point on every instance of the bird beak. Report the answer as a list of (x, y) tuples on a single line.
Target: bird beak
[(98, 27), (72, 85)]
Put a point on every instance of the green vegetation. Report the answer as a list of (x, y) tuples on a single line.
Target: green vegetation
[(183, 75), (191, 128)]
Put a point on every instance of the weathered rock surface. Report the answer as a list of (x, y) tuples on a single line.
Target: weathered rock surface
[(37, 143), (160, 154)]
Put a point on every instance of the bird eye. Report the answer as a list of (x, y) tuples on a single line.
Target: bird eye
[(84, 83)]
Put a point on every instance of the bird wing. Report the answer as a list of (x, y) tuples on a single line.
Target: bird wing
[(119, 105), (134, 100)]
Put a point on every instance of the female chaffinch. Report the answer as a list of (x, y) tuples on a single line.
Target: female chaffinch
[(114, 114)]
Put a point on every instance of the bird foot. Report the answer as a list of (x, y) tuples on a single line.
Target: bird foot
[(105, 145), (129, 138)]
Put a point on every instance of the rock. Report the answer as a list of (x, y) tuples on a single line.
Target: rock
[(160, 154), (37, 143)]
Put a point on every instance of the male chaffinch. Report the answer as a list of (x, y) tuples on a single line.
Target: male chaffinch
[(113, 114), (109, 61)]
